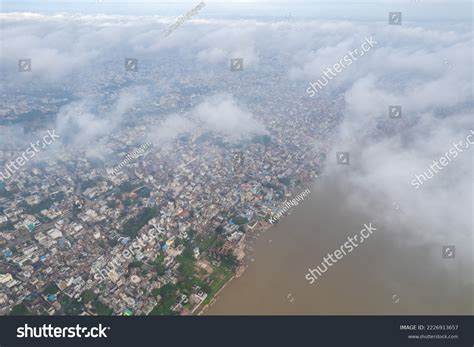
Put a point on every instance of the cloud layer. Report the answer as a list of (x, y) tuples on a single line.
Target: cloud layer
[(424, 67)]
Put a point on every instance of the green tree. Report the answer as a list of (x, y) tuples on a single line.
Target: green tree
[(168, 297), (135, 264), (20, 310), (88, 296), (133, 226), (240, 220), (158, 265)]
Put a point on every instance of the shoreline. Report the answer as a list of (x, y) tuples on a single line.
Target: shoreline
[(263, 227), (213, 300)]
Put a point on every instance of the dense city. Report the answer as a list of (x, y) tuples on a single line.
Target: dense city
[(165, 232)]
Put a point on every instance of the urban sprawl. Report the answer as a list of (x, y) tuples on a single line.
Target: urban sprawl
[(167, 231)]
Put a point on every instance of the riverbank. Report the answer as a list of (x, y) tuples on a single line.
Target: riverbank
[(364, 283), (241, 254), (214, 298), (242, 251)]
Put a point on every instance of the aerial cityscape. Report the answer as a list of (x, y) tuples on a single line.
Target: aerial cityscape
[(144, 157)]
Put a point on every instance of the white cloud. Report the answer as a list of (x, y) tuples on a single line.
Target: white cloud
[(83, 124), (169, 130), (425, 67), (222, 114)]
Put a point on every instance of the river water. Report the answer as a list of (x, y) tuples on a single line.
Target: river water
[(380, 276)]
